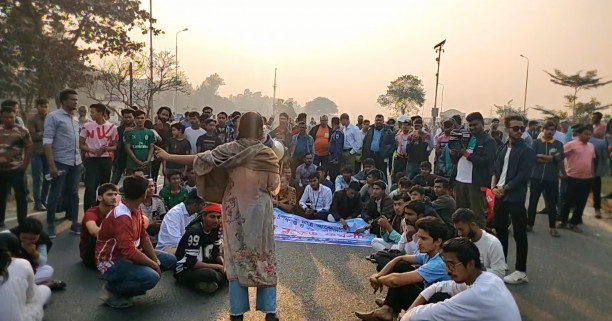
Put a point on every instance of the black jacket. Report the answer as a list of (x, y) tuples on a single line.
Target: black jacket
[(371, 213), (547, 171), (313, 132), (482, 160), (521, 161), (386, 142)]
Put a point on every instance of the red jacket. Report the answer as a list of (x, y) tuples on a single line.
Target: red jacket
[(119, 237)]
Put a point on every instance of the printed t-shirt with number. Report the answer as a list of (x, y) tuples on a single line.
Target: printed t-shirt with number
[(140, 139), (97, 136), (13, 141), (197, 246)]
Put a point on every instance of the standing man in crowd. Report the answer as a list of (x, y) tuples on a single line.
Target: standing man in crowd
[(283, 132), (513, 168), (352, 141), (194, 132), (222, 126), (139, 144), (61, 144), (210, 140), (119, 164), (40, 168), (82, 116), (599, 129), (474, 168), (378, 142), (162, 127), (301, 145), (321, 134), (400, 159), (98, 138), (15, 152), (336, 145)]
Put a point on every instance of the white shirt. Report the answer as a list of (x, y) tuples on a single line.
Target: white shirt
[(319, 200), (173, 226), (502, 177), (491, 254), (486, 299), (22, 299), (352, 138), (557, 136), (464, 170), (411, 248), (192, 136)]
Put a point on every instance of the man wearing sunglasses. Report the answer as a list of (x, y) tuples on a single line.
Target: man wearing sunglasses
[(474, 167), (513, 168)]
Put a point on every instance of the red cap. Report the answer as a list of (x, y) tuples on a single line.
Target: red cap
[(212, 207)]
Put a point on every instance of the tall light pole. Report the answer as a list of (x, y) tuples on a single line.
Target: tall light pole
[(151, 52), (526, 82), (274, 95), (439, 50), (442, 100), (176, 65)]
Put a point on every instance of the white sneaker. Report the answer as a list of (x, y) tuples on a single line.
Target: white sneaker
[(517, 277)]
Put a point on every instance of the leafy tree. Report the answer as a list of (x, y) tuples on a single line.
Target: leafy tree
[(582, 110), (404, 95), (507, 109), (577, 82), (113, 78), (47, 45), (320, 106)]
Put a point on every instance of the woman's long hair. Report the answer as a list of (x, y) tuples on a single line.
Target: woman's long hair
[(251, 126), (9, 248)]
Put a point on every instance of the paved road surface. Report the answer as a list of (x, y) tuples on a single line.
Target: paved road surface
[(569, 280)]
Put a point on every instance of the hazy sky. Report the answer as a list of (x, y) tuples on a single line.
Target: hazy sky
[(349, 51)]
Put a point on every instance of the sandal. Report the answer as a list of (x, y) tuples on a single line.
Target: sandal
[(56, 285)]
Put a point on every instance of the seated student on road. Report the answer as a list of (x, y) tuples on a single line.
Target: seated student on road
[(35, 247), (199, 260), (380, 205), (346, 204), (22, 299), (391, 229), (189, 181), (316, 200), (176, 220), (425, 178), (173, 193), (444, 204), (304, 171), (418, 193), (366, 190), (108, 197), (403, 187), (286, 199), (404, 281), (323, 173), (124, 254), (343, 181), (369, 165), (491, 251), (474, 294), (153, 209)]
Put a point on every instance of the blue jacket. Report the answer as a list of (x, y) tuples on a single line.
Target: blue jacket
[(336, 145)]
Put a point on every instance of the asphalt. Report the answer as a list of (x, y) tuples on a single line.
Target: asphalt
[(569, 280)]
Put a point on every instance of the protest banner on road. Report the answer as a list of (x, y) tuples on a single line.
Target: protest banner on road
[(293, 228)]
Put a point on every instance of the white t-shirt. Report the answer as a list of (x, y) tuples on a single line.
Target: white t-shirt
[(464, 170), (22, 299), (491, 254), (192, 136), (502, 177), (486, 299)]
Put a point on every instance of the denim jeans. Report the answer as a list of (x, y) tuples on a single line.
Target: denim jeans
[(167, 260), (128, 279), (40, 168), (71, 178), (13, 178), (412, 169), (118, 170), (239, 299), (97, 172)]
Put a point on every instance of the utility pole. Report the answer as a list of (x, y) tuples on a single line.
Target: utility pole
[(176, 66), (439, 50), (151, 54), (526, 82), (274, 95), (131, 84)]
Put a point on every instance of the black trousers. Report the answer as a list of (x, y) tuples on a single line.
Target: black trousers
[(596, 189), (379, 161), (576, 196), (334, 171), (194, 276), (97, 172), (13, 178), (504, 211), (89, 255), (401, 298), (550, 190)]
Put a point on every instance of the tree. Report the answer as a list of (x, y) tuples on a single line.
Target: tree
[(113, 79), (47, 45), (404, 95), (320, 106), (507, 109), (582, 110), (577, 82)]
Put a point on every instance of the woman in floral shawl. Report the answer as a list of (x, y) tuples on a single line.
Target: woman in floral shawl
[(243, 175)]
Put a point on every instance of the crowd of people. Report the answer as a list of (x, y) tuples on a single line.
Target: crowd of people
[(439, 202)]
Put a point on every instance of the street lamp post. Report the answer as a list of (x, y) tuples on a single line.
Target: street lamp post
[(526, 82), (439, 50), (151, 52), (442, 100), (176, 66)]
